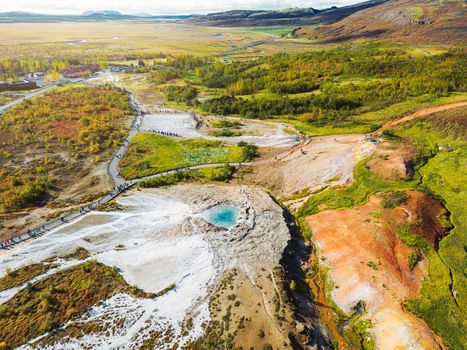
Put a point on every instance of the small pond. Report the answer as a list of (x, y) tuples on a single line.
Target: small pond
[(221, 215)]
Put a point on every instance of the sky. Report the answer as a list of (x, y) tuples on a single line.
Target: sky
[(159, 7)]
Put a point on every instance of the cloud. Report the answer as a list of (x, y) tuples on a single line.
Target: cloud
[(159, 6)]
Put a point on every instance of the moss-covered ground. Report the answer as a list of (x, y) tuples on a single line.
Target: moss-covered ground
[(149, 154)]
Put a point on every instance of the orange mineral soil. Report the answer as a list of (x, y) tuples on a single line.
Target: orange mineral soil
[(348, 240)]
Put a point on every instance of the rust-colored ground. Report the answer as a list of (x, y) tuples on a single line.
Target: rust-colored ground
[(65, 128), (348, 240), (392, 162)]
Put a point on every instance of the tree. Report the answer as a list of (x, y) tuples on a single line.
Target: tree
[(53, 76)]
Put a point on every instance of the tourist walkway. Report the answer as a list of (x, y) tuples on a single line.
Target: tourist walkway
[(120, 184)]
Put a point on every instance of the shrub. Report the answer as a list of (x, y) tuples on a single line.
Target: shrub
[(394, 199), (412, 260), (224, 133), (223, 124), (411, 239), (293, 285), (218, 173), (182, 94), (249, 151)]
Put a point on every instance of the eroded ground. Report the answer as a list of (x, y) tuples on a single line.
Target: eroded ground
[(310, 166), (368, 262)]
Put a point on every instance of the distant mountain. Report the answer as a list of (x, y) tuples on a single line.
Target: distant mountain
[(413, 21), (237, 18), (108, 13), (88, 16), (291, 16)]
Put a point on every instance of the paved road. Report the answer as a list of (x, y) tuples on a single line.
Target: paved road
[(26, 97), (135, 126)]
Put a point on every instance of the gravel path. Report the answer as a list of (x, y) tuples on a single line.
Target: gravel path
[(423, 112)]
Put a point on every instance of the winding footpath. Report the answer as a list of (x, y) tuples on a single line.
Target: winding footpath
[(120, 185)]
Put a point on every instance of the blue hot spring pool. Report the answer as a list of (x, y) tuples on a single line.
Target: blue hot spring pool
[(221, 215)]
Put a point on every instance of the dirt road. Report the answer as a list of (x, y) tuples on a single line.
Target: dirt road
[(421, 113)]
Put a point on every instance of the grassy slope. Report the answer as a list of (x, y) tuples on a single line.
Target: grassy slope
[(23, 274), (445, 18), (444, 294), (364, 118), (370, 119), (443, 176), (365, 122), (150, 153)]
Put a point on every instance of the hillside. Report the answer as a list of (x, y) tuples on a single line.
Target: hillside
[(411, 21), (290, 16)]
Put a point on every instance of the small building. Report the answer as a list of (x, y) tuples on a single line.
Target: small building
[(18, 85), (80, 71)]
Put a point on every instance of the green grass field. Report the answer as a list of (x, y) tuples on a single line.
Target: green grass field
[(276, 30), (223, 173), (150, 154)]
